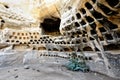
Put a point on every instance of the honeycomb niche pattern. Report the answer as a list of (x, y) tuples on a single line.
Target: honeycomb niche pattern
[(90, 28), (21, 37), (96, 25), (40, 42)]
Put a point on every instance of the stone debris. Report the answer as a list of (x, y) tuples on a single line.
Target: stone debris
[(26, 67), (16, 76), (38, 70), (15, 69)]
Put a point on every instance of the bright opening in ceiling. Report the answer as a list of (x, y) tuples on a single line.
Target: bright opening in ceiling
[(49, 1)]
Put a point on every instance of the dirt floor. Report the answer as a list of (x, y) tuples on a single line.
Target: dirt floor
[(46, 72)]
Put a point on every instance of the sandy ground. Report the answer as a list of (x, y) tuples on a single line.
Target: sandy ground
[(46, 72)]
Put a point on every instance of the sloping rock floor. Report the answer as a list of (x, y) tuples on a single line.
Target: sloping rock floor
[(47, 71)]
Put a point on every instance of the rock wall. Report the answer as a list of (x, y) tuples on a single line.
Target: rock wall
[(96, 23), (89, 28)]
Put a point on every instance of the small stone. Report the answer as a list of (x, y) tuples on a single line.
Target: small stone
[(26, 67), (15, 69), (16, 76), (38, 70), (95, 74), (33, 69)]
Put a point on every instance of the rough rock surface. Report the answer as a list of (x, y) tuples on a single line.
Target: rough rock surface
[(46, 72), (35, 31)]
